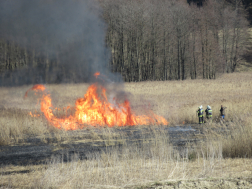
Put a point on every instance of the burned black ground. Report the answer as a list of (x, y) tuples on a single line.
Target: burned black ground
[(35, 150)]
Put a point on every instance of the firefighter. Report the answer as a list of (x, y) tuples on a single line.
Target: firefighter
[(222, 111), (209, 112), (200, 112)]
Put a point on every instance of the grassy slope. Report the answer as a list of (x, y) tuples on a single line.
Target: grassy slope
[(177, 101)]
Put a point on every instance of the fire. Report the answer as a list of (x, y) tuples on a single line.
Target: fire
[(94, 109), (34, 115), (36, 88), (97, 74)]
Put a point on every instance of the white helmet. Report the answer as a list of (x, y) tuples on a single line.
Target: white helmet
[(201, 107), (208, 107)]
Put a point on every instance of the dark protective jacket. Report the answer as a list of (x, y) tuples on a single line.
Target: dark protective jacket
[(200, 112), (209, 113), (222, 110)]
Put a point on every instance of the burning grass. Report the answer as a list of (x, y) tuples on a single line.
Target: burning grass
[(94, 109), (155, 160)]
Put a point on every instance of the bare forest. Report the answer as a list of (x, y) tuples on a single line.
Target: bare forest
[(106, 94), (172, 40), (148, 40)]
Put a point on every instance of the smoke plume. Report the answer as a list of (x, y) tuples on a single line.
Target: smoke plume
[(64, 40)]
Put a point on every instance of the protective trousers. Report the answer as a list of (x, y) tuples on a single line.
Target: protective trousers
[(201, 120)]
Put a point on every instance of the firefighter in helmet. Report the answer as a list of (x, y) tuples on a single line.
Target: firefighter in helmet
[(209, 113), (200, 112)]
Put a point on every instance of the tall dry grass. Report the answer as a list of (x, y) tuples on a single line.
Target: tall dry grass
[(17, 125), (131, 166), (177, 101), (238, 143), (156, 159)]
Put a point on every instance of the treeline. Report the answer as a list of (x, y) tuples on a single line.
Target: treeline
[(51, 41), (149, 40), (167, 40)]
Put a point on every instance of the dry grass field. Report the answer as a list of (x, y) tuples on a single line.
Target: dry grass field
[(222, 160), (178, 101)]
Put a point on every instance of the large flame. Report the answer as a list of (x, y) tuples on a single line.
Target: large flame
[(94, 109)]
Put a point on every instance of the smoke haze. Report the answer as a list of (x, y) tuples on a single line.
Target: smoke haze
[(70, 34)]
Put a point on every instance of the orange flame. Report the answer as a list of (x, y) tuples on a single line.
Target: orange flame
[(36, 88), (97, 74), (34, 115), (94, 110)]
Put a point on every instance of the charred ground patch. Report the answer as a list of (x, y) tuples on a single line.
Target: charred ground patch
[(37, 150)]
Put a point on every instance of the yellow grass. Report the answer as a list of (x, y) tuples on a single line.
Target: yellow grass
[(178, 101), (111, 171), (154, 162)]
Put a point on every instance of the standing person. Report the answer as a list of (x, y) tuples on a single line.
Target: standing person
[(209, 113), (200, 112), (222, 111)]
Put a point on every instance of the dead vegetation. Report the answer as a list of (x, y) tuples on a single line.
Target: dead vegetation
[(224, 153)]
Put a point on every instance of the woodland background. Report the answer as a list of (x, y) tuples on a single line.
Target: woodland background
[(148, 40)]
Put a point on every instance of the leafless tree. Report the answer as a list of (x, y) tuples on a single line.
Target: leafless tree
[(152, 40)]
